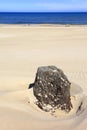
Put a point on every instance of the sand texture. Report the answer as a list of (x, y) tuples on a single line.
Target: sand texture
[(23, 48)]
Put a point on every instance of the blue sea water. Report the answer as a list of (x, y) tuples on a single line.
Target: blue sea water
[(43, 18)]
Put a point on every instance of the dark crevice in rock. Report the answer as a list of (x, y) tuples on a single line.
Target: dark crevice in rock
[(79, 108)]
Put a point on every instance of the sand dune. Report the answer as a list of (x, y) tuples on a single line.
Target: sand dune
[(22, 50)]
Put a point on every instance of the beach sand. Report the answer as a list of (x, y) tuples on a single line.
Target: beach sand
[(23, 48)]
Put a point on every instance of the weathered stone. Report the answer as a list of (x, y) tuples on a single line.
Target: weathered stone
[(52, 89)]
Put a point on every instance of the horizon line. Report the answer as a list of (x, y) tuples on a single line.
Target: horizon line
[(43, 11)]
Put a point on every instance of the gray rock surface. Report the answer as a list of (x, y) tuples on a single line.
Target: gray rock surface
[(52, 89)]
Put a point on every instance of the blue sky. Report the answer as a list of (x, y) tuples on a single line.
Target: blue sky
[(43, 5)]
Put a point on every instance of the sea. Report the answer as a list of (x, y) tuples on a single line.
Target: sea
[(74, 18)]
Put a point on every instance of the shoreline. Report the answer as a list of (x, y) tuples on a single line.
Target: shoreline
[(44, 25)]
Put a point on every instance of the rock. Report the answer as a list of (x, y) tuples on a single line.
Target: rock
[(52, 89)]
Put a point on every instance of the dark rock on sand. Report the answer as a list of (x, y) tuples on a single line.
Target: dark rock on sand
[(52, 89)]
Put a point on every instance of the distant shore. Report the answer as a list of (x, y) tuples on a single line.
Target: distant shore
[(42, 25)]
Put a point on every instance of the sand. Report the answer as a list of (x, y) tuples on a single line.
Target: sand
[(23, 48)]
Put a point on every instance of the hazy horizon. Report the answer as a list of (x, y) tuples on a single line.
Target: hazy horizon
[(44, 12)]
